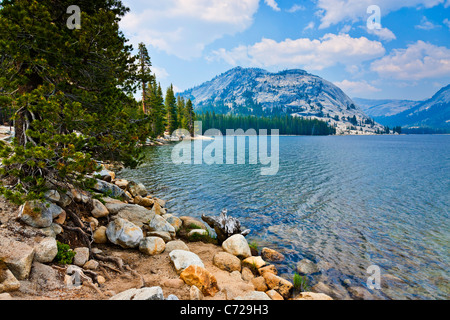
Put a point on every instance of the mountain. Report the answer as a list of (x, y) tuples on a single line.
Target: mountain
[(296, 92), (432, 113), (384, 108)]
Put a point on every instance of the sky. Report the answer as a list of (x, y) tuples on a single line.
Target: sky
[(401, 51)]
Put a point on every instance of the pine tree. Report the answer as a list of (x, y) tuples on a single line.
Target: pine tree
[(144, 74), (171, 109), (190, 117), (70, 91)]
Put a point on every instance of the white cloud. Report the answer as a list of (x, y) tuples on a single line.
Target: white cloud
[(356, 87), (309, 26), (159, 72), (332, 12), (314, 54), (425, 24), (184, 27), (418, 61), (297, 7), (272, 4), (446, 21), (383, 34)]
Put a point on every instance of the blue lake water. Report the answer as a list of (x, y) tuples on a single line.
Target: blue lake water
[(345, 202)]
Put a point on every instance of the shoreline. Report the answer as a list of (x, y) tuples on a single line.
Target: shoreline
[(225, 274)]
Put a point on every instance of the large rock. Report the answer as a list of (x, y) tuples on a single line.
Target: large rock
[(46, 250), (99, 210), (152, 246), (8, 282), (158, 223), (271, 255), (227, 262), (110, 189), (131, 212), (44, 277), (121, 183), (282, 286), (39, 214), (18, 256), (182, 259), (124, 233), (152, 293), (175, 222), (192, 223), (137, 189), (198, 276), (237, 245), (254, 263), (161, 234), (306, 266)]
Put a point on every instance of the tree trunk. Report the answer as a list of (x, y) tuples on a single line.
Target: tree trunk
[(225, 226)]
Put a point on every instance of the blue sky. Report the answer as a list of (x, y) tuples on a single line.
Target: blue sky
[(191, 41)]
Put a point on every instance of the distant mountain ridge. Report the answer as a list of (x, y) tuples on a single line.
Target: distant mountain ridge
[(296, 92), (431, 113)]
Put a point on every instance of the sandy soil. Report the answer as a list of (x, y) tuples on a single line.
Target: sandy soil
[(155, 270)]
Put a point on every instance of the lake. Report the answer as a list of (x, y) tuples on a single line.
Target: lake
[(344, 202)]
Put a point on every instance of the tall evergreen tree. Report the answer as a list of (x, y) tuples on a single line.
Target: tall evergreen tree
[(144, 74), (190, 117), (171, 109)]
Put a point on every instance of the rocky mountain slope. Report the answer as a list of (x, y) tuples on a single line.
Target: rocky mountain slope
[(432, 113), (296, 92)]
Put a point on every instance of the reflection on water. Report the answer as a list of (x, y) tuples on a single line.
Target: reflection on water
[(344, 202)]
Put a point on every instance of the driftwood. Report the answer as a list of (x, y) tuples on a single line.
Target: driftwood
[(225, 226)]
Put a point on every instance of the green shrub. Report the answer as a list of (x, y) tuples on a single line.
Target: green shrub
[(65, 254), (301, 283)]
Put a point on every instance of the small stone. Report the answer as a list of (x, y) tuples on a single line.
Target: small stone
[(161, 234), (172, 297), (161, 202), (52, 195), (100, 235), (81, 256), (121, 183), (91, 265), (195, 293), (152, 246), (312, 296), (101, 280), (137, 189), (254, 263), (99, 210), (192, 223), (199, 232)]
